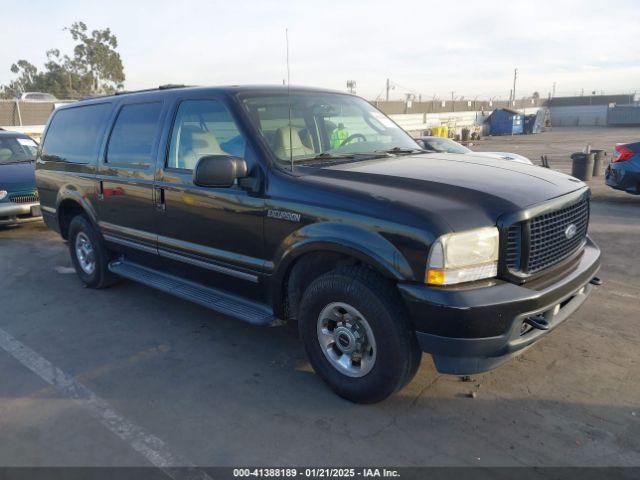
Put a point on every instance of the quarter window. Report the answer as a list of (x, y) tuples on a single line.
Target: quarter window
[(133, 134), (75, 134), (203, 127)]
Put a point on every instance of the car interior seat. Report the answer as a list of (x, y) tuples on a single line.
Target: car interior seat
[(196, 143), (5, 154), (296, 149)]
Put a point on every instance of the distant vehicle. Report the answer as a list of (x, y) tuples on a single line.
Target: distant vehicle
[(623, 173), (37, 97), (446, 145), (18, 195)]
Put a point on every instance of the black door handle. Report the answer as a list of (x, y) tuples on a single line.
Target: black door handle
[(159, 199)]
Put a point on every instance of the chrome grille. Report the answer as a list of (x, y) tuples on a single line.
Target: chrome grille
[(24, 198), (541, 242)]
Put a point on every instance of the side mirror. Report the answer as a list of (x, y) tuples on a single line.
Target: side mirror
[(420, 142), (219, 171)]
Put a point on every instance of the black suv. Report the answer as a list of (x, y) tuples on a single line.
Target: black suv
[(306, 205)]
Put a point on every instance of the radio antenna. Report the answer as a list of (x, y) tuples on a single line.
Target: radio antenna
[(286, 34)]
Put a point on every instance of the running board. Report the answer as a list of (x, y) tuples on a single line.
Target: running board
[(222, 302)]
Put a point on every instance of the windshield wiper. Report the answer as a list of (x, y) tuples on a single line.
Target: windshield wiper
[(326, 157), (332, 156), (11, 162), (403, 151)]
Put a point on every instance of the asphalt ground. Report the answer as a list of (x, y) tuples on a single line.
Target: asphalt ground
[(131, 376)]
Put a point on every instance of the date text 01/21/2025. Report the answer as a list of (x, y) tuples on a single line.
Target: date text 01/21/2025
[(316, 472)]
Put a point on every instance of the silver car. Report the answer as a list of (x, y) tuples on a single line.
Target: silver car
[(446, 145)]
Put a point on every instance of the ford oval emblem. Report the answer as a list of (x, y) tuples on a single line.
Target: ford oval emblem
[(571, 231)]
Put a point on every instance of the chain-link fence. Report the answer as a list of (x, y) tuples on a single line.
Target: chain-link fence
[(17, 113)]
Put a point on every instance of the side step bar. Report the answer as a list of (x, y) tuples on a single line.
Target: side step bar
[(225, 303)]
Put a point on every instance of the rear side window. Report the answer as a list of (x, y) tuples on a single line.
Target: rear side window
[(75, 134), (133, 134)]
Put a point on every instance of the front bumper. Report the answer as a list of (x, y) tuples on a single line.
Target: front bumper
[(472, 330), (15, 213)]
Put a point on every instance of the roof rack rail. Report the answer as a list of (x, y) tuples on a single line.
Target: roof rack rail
[(161, 87)]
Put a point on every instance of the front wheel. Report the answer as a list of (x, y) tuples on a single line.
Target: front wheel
[(357, 335)]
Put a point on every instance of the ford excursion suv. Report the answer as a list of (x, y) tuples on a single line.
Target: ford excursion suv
[(306, 205)]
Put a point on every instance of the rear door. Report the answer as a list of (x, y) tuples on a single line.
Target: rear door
[(210, 235), (126, 176)]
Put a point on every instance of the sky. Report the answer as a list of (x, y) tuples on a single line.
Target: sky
[(429, 48)]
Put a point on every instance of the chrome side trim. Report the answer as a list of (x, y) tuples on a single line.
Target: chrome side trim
[(48, 209), (223, 256), (182, 258), (209, 266), (127, 231), (130, 243)]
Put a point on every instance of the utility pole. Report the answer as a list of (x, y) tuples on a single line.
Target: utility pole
[(515, 76), (453, 102), (387, 98), (553, 91)]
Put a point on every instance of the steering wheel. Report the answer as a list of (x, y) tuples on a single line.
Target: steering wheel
[(353, 137)]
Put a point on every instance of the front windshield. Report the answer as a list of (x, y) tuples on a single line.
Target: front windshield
[(444, 145), (318, 127), (16, 149)]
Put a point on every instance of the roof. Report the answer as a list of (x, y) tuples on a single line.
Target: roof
[(10, 134), (226, 89)]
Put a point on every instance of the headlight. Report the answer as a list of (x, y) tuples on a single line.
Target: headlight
[(3, 194), (463, 257)]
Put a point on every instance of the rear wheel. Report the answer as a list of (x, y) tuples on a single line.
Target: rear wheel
[(357, 335), (88, 253)]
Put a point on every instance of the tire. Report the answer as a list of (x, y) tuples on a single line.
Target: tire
[(365, 302), (84, 237)]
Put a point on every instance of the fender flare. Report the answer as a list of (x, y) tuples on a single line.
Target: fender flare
[(71, 193), (365, 245)]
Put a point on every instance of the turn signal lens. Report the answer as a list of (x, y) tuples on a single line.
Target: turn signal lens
[(3, 194), (435, 276)]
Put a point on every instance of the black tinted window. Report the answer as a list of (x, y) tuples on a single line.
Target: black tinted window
[(131, 140), (74, 134)]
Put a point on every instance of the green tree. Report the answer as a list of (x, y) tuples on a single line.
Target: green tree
[(94, 68)]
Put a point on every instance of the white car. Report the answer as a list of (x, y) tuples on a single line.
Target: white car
[(37, 97), (446, 145)]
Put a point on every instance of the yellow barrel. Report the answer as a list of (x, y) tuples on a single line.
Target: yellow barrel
[(444, 131)]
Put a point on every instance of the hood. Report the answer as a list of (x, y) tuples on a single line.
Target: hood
[(514, 157), (464, 190), (17, 176)]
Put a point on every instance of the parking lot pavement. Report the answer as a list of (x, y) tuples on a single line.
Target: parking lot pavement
[(215, 391)]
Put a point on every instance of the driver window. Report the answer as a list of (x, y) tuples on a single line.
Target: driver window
[(203, 127)]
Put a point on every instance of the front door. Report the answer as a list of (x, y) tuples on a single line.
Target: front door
[(209, 235)]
